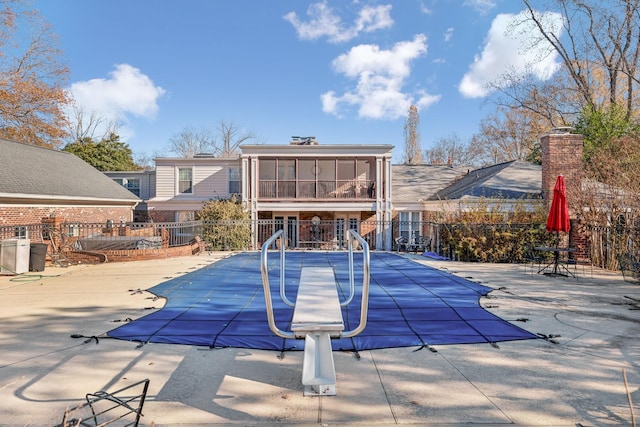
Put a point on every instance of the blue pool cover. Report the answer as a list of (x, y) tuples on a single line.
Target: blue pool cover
[(222, 305)]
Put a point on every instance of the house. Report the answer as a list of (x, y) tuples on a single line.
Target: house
[(414, 189), (142, 184), (317, 192), (37, 183), (508, 183), (183, 185)]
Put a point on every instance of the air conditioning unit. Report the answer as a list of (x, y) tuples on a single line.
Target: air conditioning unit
[(14, 256)]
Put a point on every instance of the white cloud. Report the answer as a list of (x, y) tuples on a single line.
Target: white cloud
[(424, 9), (480, 6), (448, 35), (324, 22), (127, 92), (522, 53), (380, 76)]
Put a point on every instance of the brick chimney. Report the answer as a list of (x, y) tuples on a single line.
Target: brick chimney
[(561, 155)]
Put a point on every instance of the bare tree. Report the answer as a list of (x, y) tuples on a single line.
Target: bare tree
[(412, 149), (509, 134), (599, 49), (224, 142), (231, 137), (189, 142), (32, 78), (609, 196), (452, 151), (145, 160), (83, 125)]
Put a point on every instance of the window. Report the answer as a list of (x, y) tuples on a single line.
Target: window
[(73, 230), (267, 169), (234, 180), (131, 184), (286, 178), (410, 225), (21, 232), (185, 180)]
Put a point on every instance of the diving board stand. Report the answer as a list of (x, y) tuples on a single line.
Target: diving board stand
[(317, 313), (317, 317)]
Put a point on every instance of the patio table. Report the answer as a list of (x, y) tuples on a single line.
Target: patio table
[(555, 267)]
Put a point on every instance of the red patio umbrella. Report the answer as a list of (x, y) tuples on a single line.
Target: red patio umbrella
[(558, 219)]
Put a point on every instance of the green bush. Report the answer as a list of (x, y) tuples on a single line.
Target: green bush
[(491, 233), (226, 224)]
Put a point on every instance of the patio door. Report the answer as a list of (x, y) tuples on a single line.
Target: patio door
[(410, 225), (344, 223), (290, 226)]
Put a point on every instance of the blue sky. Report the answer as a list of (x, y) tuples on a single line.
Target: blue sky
[(343, 71)]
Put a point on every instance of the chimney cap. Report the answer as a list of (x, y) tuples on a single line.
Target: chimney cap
[(562, 130), (303, 140)]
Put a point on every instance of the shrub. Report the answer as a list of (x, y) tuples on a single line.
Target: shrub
[(226, 224)]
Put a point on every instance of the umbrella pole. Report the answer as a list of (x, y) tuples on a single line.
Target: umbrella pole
[(556, 254)]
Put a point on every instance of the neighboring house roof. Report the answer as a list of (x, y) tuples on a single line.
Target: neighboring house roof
[(417, 183), (516, 179), (32, 173)]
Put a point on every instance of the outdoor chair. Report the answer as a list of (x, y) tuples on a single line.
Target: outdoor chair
[(630, 267), (422, 244), (123, 406), (401, 243), (533, 260), (584, 262)]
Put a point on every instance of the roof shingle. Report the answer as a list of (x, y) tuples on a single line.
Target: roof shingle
[(38, 172)]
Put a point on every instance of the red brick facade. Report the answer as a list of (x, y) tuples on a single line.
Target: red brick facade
[(561, 155), (25, 215), (135, 255), (162, 216)]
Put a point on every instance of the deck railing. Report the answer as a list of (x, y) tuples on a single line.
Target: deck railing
[(358, 189)]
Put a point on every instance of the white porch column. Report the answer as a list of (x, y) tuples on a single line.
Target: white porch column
[(384, 206)]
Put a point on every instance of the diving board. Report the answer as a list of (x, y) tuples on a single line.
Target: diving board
[(317, 314)]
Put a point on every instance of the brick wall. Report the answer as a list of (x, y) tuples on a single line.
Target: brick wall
[(561, 155), (162, 216), (138, 255), (24, 215)]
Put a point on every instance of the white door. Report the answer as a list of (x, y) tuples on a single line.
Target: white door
[(344, 223), (289, 224)]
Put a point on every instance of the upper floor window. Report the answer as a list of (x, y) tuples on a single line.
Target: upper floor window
[(131, 184), (234, 180), (185, 180)]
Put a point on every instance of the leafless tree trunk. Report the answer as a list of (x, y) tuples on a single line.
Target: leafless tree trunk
[(231, 137), (451, 151), (189, 142), (413, 151), (599, 51), (82, 125)]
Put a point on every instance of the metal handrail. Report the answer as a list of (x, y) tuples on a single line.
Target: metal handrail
[(264, 268), (366, 270), (352, 236)]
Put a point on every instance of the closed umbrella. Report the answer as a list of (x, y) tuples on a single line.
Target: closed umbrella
[(558, 219)]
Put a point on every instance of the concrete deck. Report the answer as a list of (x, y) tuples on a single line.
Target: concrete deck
[(574, 378)]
